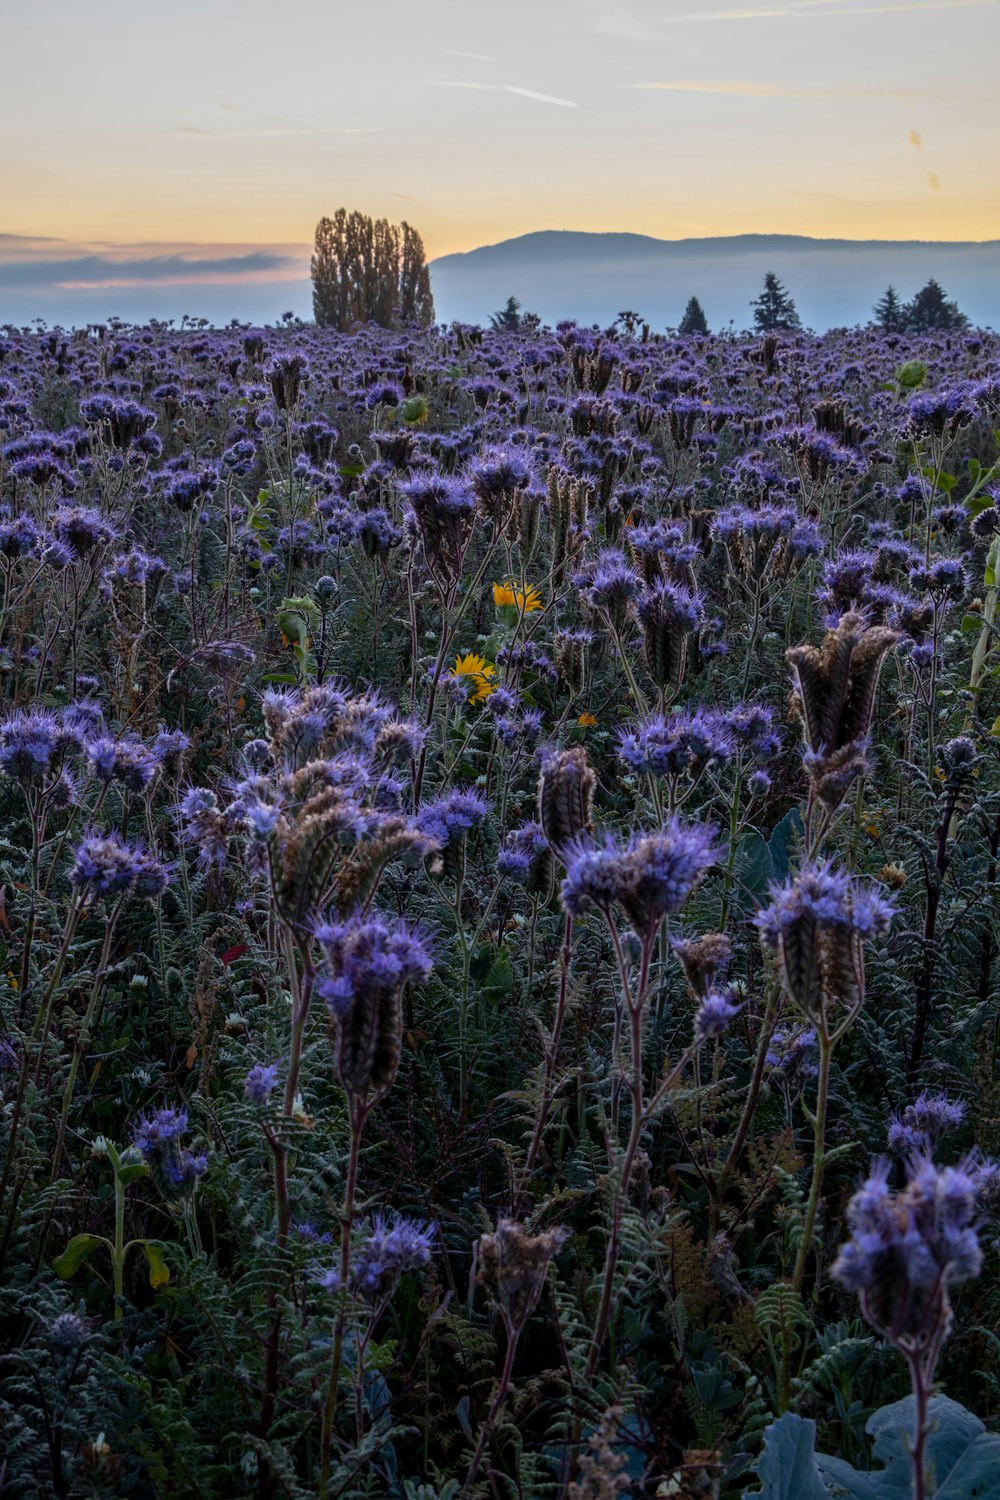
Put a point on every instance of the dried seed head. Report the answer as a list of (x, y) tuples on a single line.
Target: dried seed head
[(704, 960), (514, 1265), (566, 796)]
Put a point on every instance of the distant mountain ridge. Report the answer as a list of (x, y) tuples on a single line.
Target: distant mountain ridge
[(591, 277)]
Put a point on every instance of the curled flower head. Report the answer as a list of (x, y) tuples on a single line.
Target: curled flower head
[(649, 876), (713, 1016), (909, 1248), (816, 924), (386, 1251), (916, 1130), (368, 963)]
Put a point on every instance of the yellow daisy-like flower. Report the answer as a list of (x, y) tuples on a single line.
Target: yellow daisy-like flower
[(480, 670), (527, 600), (586, 721)]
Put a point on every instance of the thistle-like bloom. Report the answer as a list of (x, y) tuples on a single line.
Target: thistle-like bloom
[(449, 818), (526, 858), (29, 740), (908, 1249), (173, 1167), (673, 744), (649, 876), (105, 866), (611, 586), (713, 1016), (443, 511), (370, 961), (514, 1265), (704, 960), (915, 1132), (384, 1254), (816, 923), (260, 1082)]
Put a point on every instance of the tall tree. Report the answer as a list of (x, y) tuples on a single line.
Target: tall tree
[(368, 270), (931, 309), (774, 308), (694, 320), (889, 311)]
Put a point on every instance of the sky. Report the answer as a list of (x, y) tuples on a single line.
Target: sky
[(175, 155)]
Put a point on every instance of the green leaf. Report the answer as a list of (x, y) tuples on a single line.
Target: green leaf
[(132, 1172), (784, 837), (76, 1252), (159, 1271), (970, 624), (753, 868), (963, 1459), (787, 1467), (280, 677), (911, 375)]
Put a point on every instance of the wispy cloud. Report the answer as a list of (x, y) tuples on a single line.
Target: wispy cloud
[(614, 18), (819, 9), (506, 88), (934, 182), (81, 271), (278, 134), (782, 91), (475, 56), (542, 98), (916, 140)]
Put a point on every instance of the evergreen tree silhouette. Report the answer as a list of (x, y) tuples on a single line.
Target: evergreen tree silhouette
[(931, 309), (774, 308), (509, 316), (889, 311), (694, 320)]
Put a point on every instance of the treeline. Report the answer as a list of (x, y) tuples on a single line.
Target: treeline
[(774, 311), (367, 270)]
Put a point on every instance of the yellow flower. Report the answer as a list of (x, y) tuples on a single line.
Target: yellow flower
[(586, 721), (527, 600), (480, 670)]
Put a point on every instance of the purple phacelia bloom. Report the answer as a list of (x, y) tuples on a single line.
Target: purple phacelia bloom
[(649, 876), (449, 818), (384, 1253), (908, 1248), (713, 1016), (916, 1130), (260, 1082), (174, 1168)]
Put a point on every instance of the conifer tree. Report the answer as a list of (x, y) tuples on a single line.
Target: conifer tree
[(509, 316), (889, 311), (694, 320), (931, 309), (774, 308)]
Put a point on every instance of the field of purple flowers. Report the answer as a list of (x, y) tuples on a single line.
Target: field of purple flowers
[(499, 914)]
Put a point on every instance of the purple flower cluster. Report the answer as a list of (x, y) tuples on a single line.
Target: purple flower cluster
[(648, 875)]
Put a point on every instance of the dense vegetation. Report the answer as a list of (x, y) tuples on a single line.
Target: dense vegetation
[(500, 833)]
